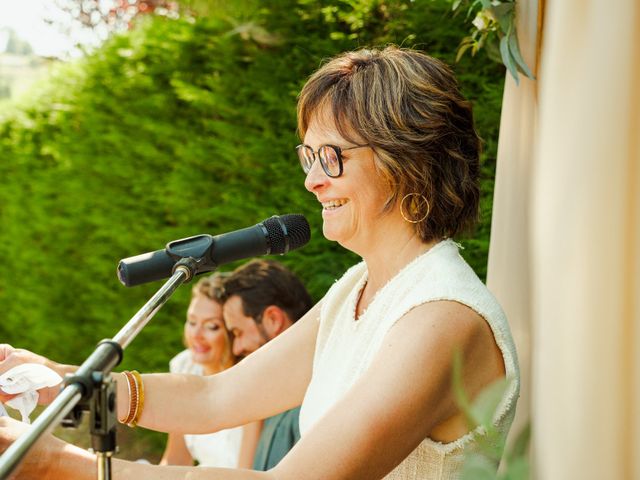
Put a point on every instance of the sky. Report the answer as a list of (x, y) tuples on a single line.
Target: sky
[(27, 19)]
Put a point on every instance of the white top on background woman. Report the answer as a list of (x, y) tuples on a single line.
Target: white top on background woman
[(219, 449), (391, 154)]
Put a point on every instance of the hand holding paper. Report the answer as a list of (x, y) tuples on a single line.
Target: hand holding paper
[(24, 381)]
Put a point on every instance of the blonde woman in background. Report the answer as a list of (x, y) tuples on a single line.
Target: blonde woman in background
[(209, 352)]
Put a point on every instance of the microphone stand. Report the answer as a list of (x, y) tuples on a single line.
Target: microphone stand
[(92, 388)]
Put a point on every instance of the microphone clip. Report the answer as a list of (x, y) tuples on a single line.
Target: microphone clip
[(192, 255)]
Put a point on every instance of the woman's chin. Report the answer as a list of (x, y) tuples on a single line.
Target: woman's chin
[(333, 230), (201, 358), (339, 237), (330, 233)]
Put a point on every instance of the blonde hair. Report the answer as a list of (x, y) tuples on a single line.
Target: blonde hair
[(212, 287), (407, 107)]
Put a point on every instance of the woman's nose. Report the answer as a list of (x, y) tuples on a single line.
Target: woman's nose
[(316, 178), (198, 331)]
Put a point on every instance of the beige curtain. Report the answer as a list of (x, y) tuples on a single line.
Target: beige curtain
[(565, 254), (508, 272), (585, 241)]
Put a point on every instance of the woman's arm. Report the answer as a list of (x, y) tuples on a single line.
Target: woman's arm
[(269, 381), (250, 437), (53, 459), (399, 400), (176, 452)]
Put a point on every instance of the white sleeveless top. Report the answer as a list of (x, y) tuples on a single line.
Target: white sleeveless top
[(345, 347), (219, 449)]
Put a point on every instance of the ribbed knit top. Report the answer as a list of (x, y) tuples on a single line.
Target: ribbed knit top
[(345, 346)]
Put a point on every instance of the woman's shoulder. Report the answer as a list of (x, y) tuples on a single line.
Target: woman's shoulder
[(442, 274)]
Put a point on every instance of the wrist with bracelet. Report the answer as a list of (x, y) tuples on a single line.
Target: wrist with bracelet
[(135, 387)]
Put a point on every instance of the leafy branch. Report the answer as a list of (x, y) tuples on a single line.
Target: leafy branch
[(482, 464), (493, 19)]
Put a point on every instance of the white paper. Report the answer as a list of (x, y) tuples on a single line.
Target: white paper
[(25, 380)]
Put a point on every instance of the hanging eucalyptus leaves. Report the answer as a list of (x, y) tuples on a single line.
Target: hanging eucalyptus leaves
[(493, 20)]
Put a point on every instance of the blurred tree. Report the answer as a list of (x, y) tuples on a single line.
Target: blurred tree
[(101, 18), (104, 17), (5, 89), (15, 44)]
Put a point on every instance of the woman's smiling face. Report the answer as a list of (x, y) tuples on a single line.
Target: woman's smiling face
[(205, 333), (353, 203)]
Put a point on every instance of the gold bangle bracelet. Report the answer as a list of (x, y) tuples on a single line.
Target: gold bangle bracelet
[(139, 398), (133, 397), (126, 377)]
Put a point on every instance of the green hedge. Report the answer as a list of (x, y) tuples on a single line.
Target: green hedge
[(182, 127)]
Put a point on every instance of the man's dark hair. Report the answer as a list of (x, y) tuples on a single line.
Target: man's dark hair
[(260, 283)]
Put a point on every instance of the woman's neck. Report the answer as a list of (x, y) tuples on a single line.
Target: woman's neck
[(387, 257)]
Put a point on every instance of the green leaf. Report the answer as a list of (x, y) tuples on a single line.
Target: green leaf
[(456, 4), (482, 410), (485, 405), (515, 52), (507, 59), (472, 8), (520, 445), (517, 470), (458, 390), (478, 467), (505, 14), (463, 48)]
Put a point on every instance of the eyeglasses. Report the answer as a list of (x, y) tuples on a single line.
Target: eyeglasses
[(330, 158)]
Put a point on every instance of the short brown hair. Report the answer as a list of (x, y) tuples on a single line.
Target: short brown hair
[(261, 283), (407, 106)]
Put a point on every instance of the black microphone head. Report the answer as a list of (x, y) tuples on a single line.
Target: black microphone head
[(287, 232)]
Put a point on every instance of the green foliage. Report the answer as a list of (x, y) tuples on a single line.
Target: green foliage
[(176, 128), (494, 20), (482, 463)]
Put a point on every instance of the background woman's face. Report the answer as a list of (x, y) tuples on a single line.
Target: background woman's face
[(352, 204), (205, 333)]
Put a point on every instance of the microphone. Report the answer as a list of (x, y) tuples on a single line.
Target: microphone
[(275, 235)]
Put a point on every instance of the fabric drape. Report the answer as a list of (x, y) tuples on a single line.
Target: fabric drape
[(565, 244)]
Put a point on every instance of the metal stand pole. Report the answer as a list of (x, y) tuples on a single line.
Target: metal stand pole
[(104, 465), (92, 383)]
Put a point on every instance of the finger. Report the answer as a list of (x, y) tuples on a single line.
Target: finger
[(5, 397), (8, 363), (5, 350)]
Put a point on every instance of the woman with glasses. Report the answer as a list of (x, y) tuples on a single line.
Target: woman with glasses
[(391, 154)]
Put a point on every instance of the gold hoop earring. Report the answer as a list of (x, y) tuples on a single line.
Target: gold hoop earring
[(414, 206)]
